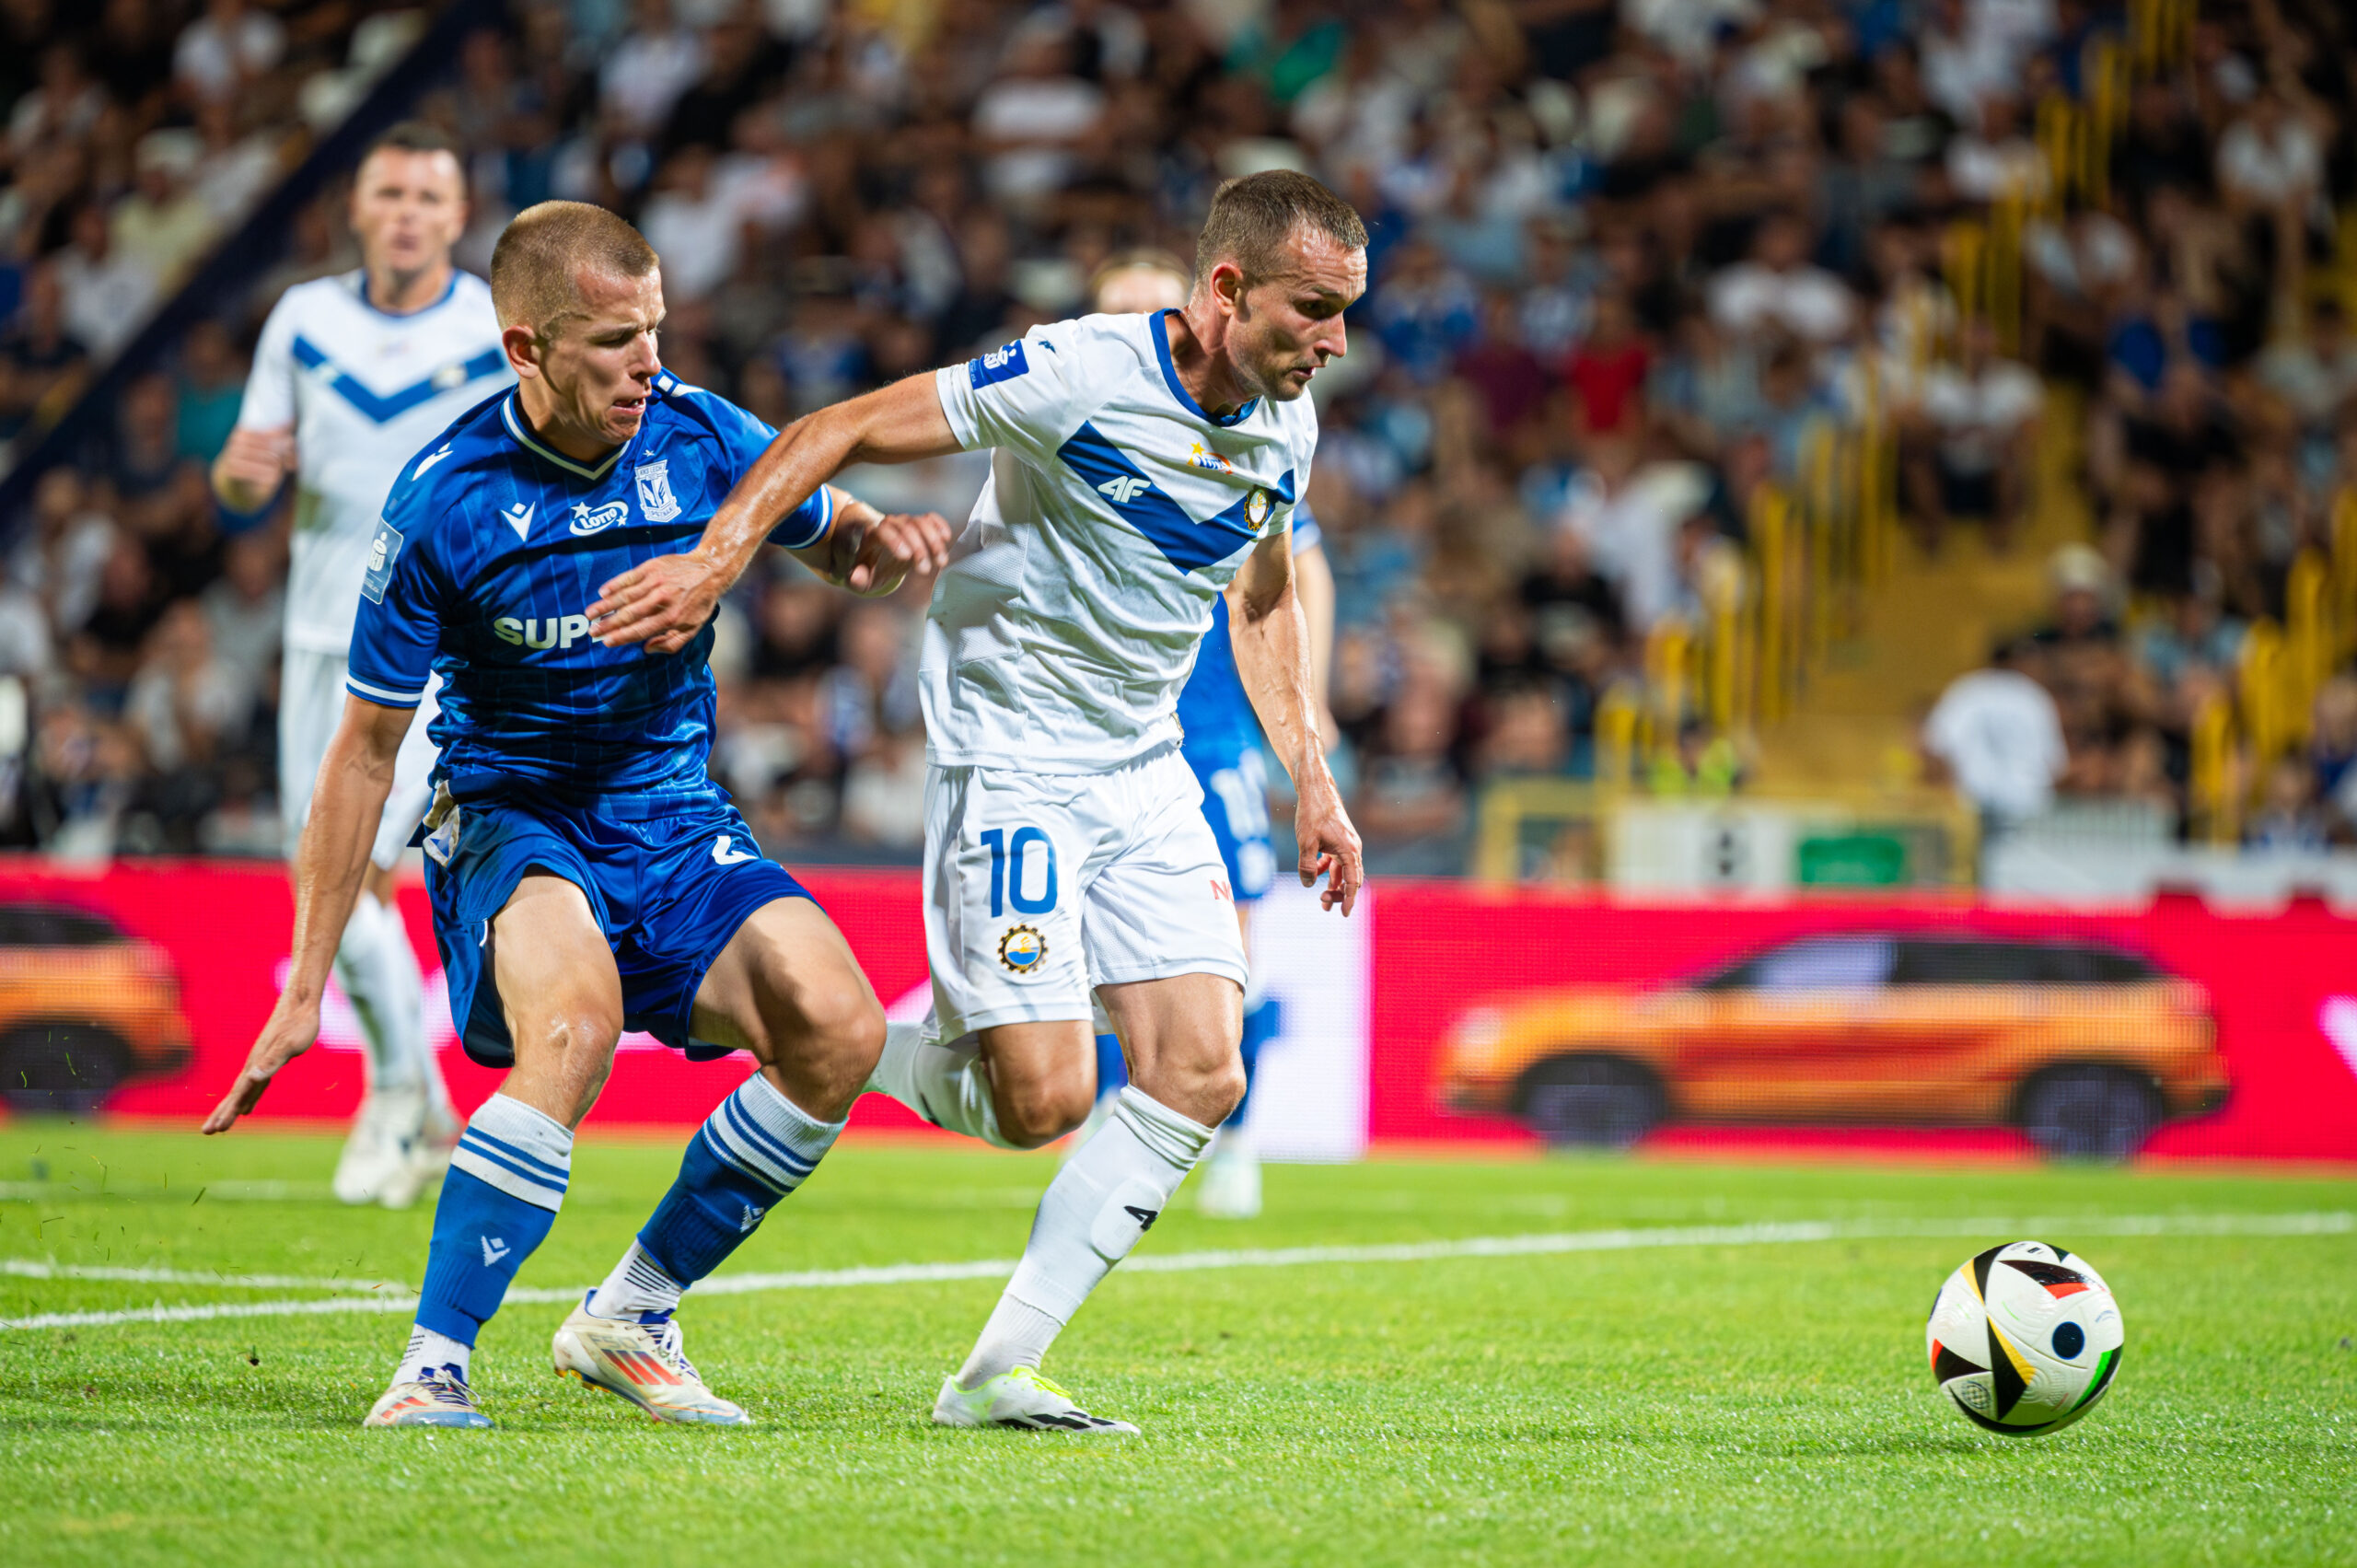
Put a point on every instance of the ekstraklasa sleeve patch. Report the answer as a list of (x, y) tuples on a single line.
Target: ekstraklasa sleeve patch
[(383, 550), (999, 365)]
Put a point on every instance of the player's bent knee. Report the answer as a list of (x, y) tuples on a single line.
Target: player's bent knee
[(1031, 1114)]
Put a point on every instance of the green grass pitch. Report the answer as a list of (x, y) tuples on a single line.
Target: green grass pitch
[(1752, 1400)]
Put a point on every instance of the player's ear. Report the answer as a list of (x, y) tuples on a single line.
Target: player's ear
[(523, 347), (1228, 287)]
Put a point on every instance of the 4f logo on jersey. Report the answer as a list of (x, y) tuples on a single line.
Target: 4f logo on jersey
[(383, 550), (656, 501), (586, 521), (1125, 488)]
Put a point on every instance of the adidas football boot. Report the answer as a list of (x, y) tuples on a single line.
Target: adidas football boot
[(640, 1359), (436, 1397), (1020, 1399)]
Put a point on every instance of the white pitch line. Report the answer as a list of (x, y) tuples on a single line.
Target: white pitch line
[(1785, 1233), (39, 1269)]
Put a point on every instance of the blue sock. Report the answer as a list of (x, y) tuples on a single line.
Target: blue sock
[(1263, 1021), (505, 1183), (1112, 1071), (755, 1149)]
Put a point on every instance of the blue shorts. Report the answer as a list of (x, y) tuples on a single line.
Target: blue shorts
[(670, 881), (1236, 804)]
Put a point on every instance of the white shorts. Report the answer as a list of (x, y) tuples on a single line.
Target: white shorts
[(311, 704), (1040, 888)]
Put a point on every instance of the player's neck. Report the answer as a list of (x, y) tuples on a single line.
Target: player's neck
[(397, 293), (549, 429), (1205, 372)]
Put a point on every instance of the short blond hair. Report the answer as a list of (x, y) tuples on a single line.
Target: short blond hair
[(536, 267)]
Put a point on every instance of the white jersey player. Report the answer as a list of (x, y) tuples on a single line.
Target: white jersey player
[(1146, 465), (352, 376)]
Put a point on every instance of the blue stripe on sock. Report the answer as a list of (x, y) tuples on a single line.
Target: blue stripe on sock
[(503, 1146), (741, 1122), (497, 1158), (725, 1156)]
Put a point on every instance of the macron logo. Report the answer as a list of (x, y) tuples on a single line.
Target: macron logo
[(1125, 489), (723, 856), (493, 1249), (428, 461), (519, 517)]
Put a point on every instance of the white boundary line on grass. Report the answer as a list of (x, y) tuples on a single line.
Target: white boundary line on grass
[(395, 1298)]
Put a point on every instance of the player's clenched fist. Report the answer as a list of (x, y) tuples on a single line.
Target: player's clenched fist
[(288, 1034), (248, 472), (874, 559)]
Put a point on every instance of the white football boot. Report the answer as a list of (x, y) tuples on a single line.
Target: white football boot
[(643, 1364), (1229, 1187), (435, 1397), (375, 1165), (1020, 1399)]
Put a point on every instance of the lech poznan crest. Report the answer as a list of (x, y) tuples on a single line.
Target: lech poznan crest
[(655, 497)]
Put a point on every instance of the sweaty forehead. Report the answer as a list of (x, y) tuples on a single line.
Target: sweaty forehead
[(606, 302), (1315, 259)]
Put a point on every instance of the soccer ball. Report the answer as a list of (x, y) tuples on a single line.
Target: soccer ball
[(2025, 1337)]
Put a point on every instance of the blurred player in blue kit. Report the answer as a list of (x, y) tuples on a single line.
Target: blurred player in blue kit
[(1222, 743), (587, 876)]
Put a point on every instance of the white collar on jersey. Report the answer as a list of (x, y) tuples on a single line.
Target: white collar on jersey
[(524, 438), (356, 282)]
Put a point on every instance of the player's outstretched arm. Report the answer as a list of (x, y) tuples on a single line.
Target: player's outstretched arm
[(1272, 657), (355, 778), (664, 602)]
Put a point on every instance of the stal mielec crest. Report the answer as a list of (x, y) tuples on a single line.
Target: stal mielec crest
[(654, 498)]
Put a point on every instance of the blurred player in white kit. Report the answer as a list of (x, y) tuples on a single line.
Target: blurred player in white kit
[(352, 376), (1145, 468)]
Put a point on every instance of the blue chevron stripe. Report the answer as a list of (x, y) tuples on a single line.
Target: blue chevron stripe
[(387, 407), (1184, 542)]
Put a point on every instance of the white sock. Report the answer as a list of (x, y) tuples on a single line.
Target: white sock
[(637, 1284), (1090, 1218), (944, 1084), (378, 968), (426, 1349)]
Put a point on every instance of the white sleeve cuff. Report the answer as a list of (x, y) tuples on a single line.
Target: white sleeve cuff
[(382, 697), (955, 385)]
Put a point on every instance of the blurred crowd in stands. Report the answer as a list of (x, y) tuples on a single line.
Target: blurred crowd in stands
[(1625, 255)]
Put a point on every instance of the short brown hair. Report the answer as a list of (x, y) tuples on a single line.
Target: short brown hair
[(415, 136), (1253, 217), (545, 248)]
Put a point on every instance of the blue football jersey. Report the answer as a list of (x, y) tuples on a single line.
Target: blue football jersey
[(491, 550), (1213, 708)]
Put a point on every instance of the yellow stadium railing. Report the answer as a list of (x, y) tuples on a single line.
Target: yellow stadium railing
[(2212, 795), (2342, 593)]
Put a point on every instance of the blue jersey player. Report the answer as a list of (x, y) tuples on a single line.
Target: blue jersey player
[(1221, 745), (586, 877)]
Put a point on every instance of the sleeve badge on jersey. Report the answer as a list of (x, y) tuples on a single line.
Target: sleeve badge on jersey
[(383, 550), (656, 501), (1256, 508), (999, 365)]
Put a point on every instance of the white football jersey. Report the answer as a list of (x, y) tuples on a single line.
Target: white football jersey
[(364, 390), (1116, 512)]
